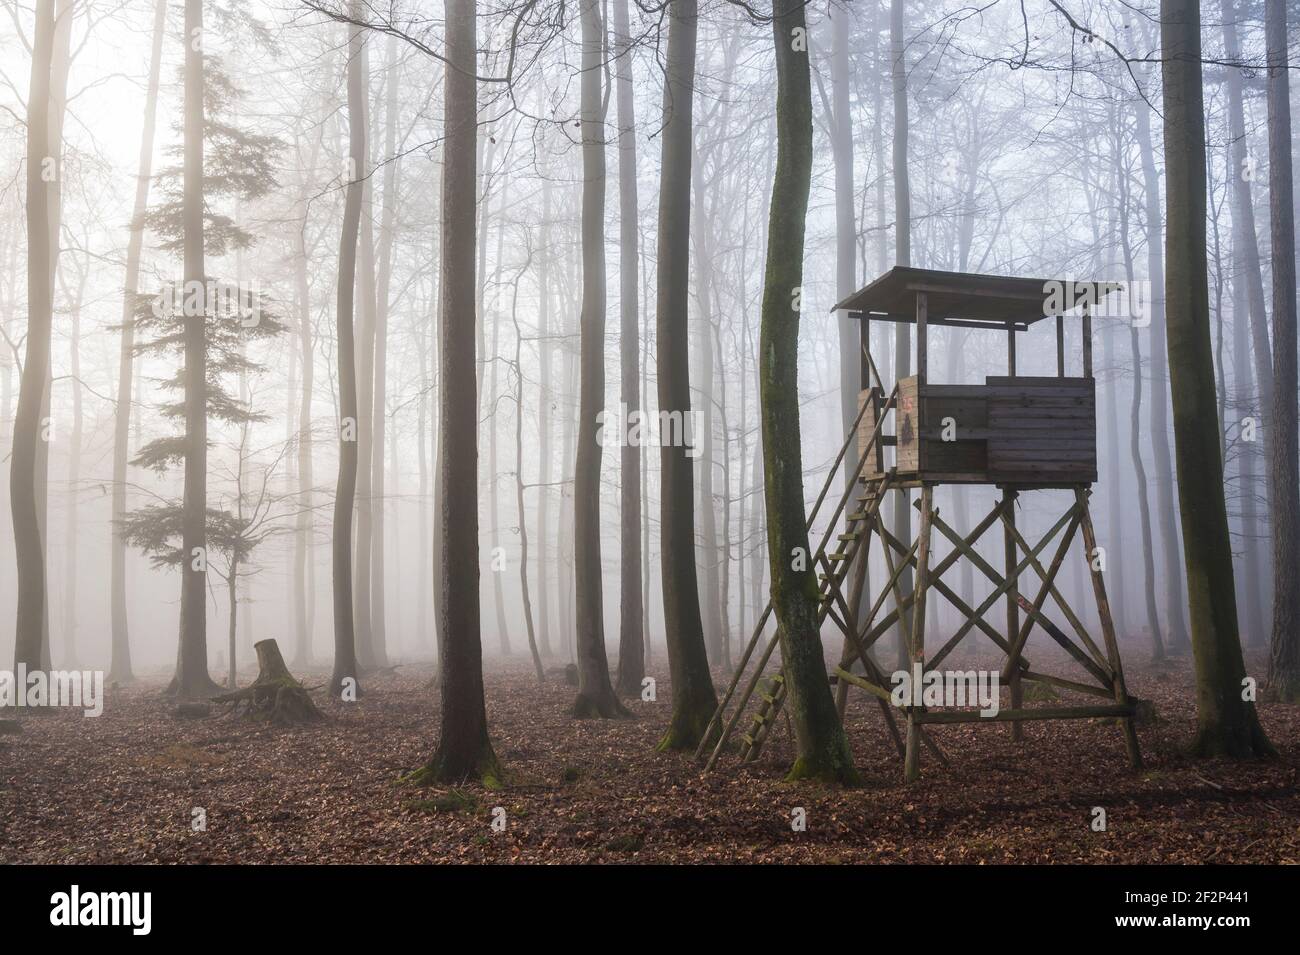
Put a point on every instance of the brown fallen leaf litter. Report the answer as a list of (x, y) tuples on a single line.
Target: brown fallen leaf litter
[(124, 788)]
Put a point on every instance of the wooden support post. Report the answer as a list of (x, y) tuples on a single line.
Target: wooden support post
[(864, 358), (1013, 601), (912, 757), (1012, 665), (1011, 352), (1100, 666), (1060, 346), (1108, 628), (922, 350), (862, 556), (1087, 341)]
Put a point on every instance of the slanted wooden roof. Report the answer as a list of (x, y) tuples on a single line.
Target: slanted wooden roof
[(968, 299)]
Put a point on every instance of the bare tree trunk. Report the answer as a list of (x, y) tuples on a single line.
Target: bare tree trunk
[(545, 400), (823, 749), (1227, 724), (232, 610), (846, 230), (693, 697), (71, 529), (1251, 322), (723, 549), (422, 451), (645, 469), (1284, 460), (705, 229), (1136, 437), (365, 358), (494, 498), (378, 641), (1161, 456), (902, 516), (29, 546), (631, 636), (120, 665), (192, 676), (596, 695), (345, 652), (304, 569), (464, 749), (520, 512)]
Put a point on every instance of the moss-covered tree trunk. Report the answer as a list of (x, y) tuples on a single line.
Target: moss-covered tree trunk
[(1227, 724), (1284, 470), (693, 697), (345, 649), (823, 750), (464, 749)]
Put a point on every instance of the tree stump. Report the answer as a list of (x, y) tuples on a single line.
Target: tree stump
[(275, 696)]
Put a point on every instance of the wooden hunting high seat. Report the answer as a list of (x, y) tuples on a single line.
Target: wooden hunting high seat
[(1016, 432)]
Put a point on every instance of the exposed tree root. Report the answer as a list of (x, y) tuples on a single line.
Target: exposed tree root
[(689, 723), (442, 769), (602, 706)]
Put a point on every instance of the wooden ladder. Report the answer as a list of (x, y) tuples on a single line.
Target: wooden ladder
[(835, 570)]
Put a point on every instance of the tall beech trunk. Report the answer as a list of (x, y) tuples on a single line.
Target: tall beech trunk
[(24, 503), (345, 649), (378, 641), (1254, 346), (304, 567), (631, 635), (521, 513), (70, 526), (1227, 725), (1248, 312), (823, 749), (902, 516), (464, 749), (1284, 467), (596, 695), (545, 398), (365, 361), (120, 665), (694, 699), (1135, 444), (1252, 585), (846, 235), (493, 491), (706, 225), (1161, 384), (422, 452), (192, 679)]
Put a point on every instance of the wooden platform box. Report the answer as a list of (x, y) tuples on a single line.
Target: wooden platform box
[(1022, 430)]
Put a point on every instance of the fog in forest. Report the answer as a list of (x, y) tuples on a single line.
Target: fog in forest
[(1032, 148)]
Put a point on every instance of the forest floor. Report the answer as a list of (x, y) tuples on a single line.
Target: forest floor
[(126, 787)]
